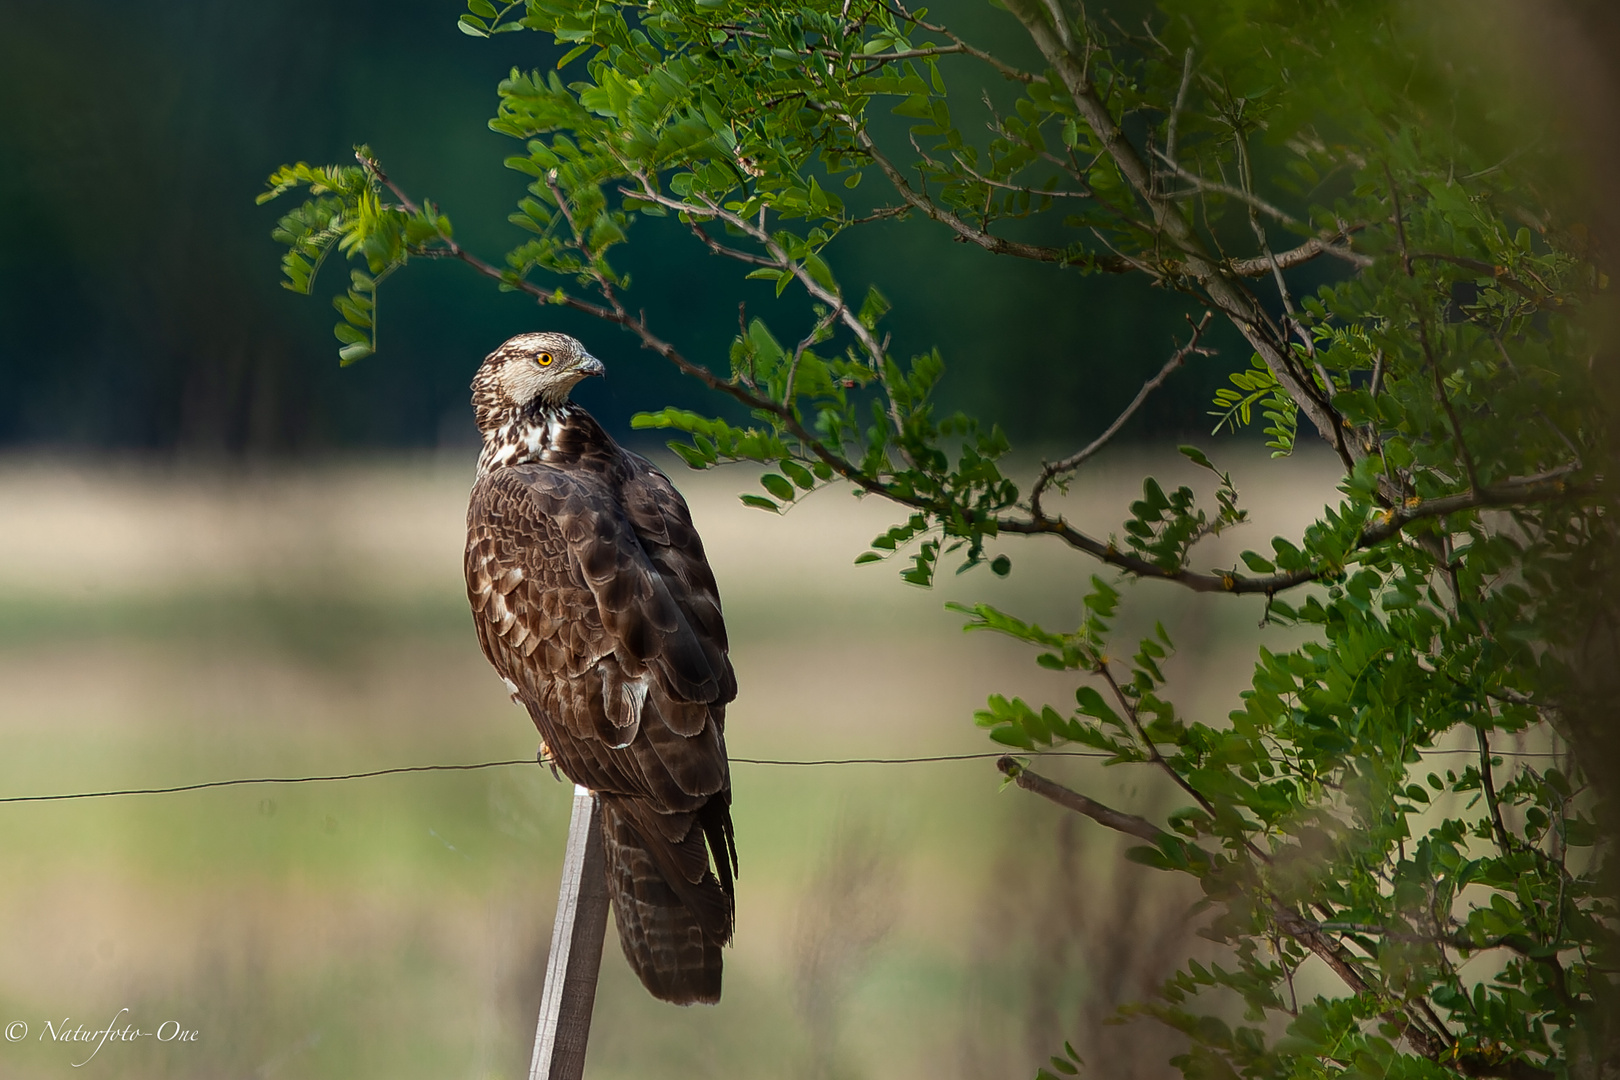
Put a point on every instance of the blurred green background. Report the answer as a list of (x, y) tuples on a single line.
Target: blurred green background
[(171, 625), (140, 304), (225, 556), (221, 555)]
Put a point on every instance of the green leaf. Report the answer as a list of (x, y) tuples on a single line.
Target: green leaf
[(350, 335), (1149, 856), (873, 308), (349, 354), (1196, 456), (694, 457), (797, 473), (778, 486), (819, 272), (1092, 704), (574, 54)]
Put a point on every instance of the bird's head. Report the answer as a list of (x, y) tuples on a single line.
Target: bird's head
[(529, 371)]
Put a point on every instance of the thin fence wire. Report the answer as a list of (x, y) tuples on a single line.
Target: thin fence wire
[(925, 760)]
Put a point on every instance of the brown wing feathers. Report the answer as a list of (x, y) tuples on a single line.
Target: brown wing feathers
[(591, 595)]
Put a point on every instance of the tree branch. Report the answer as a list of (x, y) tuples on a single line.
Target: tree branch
[(1488, 783), (1303, 930), (829, 296), (1175, 110), (1248, 198), (1050, 472), (729, 252), (1223, 290), (990, 242), (638, 326), (1130, 824), (1151, 747), (1298, 256), (1007, 70), (1521, 491), (1496, 273), (1423, 340)]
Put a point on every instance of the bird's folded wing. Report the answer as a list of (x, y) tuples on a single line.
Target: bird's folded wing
[(571, 608), (664, 525)]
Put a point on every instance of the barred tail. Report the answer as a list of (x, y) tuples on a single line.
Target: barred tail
[(673, 913)]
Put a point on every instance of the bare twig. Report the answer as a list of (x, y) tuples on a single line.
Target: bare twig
[(1130, 824), (1298, 256), (729, 252), (1215, 187), (991, 243), (1175, 112), (1051, 471), (1007, 70), (1003, 185), (1400, 220), (1488, 782), (882, 213)]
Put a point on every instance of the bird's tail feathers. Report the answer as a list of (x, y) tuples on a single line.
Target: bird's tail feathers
[(673, 914)]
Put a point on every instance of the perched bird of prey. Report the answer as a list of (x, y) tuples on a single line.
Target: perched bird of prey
[(593, 600)]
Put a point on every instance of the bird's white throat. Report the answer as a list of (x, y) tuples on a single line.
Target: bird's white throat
[(527, 437)]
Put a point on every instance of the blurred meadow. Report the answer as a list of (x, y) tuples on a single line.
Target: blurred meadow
[(222, 556), (163, 625)]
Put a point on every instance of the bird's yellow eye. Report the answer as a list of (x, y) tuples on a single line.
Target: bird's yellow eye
[(544, 359)]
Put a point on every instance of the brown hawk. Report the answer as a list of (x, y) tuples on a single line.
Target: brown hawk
[(593, 600)]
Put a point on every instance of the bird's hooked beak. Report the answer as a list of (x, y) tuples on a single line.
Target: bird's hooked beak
[(589, 365)]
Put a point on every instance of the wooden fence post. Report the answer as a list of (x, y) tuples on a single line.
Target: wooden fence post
[(576, 949)]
